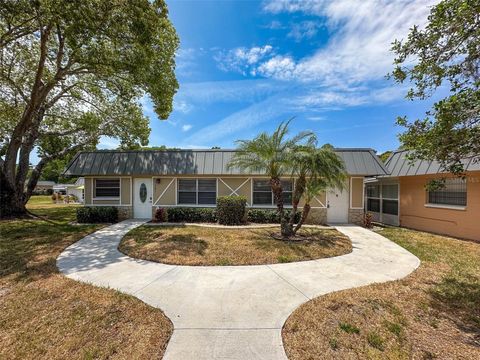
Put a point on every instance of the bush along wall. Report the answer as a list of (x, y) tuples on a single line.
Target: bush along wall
[(99, 214), (231, 210), (186, 214), (268, 216)]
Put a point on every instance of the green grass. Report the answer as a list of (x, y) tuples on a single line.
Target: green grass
[(432, 313), (349, 328), (45, 315)]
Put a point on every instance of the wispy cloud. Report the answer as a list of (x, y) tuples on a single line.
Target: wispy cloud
[(241, 59), (186, 127), (304, 30), (362, 33)]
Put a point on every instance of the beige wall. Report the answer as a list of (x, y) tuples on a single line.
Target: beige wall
[(166, 188), (356, 195), (88, 190), (459, 223), (125, 191), (239, 186)]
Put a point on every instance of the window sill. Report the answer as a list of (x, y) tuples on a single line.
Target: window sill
[(450, 207)]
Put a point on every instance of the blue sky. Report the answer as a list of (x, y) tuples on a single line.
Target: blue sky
[(244, 66)]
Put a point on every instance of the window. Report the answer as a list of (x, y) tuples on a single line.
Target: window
[(373, 198), (107, 188), (453, 193), (262, 192), (197, 191)]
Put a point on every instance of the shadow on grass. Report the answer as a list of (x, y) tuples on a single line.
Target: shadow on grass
[(458, 297)]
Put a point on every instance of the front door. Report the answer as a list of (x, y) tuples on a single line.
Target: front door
[(337, 206), (142, 198)]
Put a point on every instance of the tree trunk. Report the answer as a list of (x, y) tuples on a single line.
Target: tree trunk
[(297, 194), (305, 211), (285, 228), (12, 203)]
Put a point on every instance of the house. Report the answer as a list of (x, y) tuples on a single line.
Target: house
[(76, 189), (401, 198), (44, 186), (139, 182)]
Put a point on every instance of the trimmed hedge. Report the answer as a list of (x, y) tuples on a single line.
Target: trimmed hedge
[(268, 216), (186, 214), (161, 215), (210, 215), (231, 210), (97, 214)]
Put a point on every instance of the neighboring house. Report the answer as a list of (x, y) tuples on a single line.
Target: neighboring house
[(43, 186), (401, 198), (139, 182), (76, 189)]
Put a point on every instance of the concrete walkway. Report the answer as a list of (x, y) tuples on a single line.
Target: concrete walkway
[(231, 312)]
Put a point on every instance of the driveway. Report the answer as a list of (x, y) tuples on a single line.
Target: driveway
[(231, 312)]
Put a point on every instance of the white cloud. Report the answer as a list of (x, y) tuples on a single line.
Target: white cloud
[(361, 36), (186, 127), (182, 106), (278, 67), (304, 30), (242, 59), (107, 142)]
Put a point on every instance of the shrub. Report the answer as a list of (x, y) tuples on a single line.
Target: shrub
[(186, 214), (49, 191), (268, 216), (161, 215), (98, 214), (231, 210), (367, 220)]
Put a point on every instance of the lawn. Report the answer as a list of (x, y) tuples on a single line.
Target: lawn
[(191, 245), (433, 313), (46, 315)]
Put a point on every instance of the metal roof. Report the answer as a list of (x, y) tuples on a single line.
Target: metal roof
[(194, 162), (398, 165)]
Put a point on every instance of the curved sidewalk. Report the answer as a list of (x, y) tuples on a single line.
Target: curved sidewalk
[(231, 312)]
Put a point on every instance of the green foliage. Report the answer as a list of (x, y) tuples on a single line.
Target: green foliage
[(231, 210), (268, 216), (97, 214), (161, 215), (385, 155), (376, 341), (349, 328), (191, 214), (446, 55), (73, 71)]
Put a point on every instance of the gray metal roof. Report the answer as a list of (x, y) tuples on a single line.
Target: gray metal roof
[(194, 162), (398, 165)]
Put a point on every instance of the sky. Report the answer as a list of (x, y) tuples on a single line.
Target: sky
[(245, 66)]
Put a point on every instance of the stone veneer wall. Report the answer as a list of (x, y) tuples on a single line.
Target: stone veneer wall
[(125, 212), (355, 216), (317, 216)]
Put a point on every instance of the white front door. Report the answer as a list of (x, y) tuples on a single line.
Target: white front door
[(337, 206), (142, 198)]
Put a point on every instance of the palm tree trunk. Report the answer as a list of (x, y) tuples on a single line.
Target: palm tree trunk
[(297, 194), (285, 228), (305, 211)]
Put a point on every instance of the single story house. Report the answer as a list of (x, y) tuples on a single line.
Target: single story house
[(401, 199), (139, 182), (44, 185)]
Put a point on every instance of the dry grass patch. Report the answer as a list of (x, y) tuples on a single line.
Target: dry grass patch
[(46, 315), (432, 314), (190, 245)]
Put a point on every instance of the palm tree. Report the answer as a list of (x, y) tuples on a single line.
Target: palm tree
[(315, 171), (270, 154)]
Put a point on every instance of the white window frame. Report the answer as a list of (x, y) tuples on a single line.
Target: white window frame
[(96, 197), (196, 192)]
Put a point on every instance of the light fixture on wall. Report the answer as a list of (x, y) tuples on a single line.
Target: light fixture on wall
[(157, 180)]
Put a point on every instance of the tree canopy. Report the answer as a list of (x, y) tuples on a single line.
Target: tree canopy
[(73, 71), (444, 55)]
